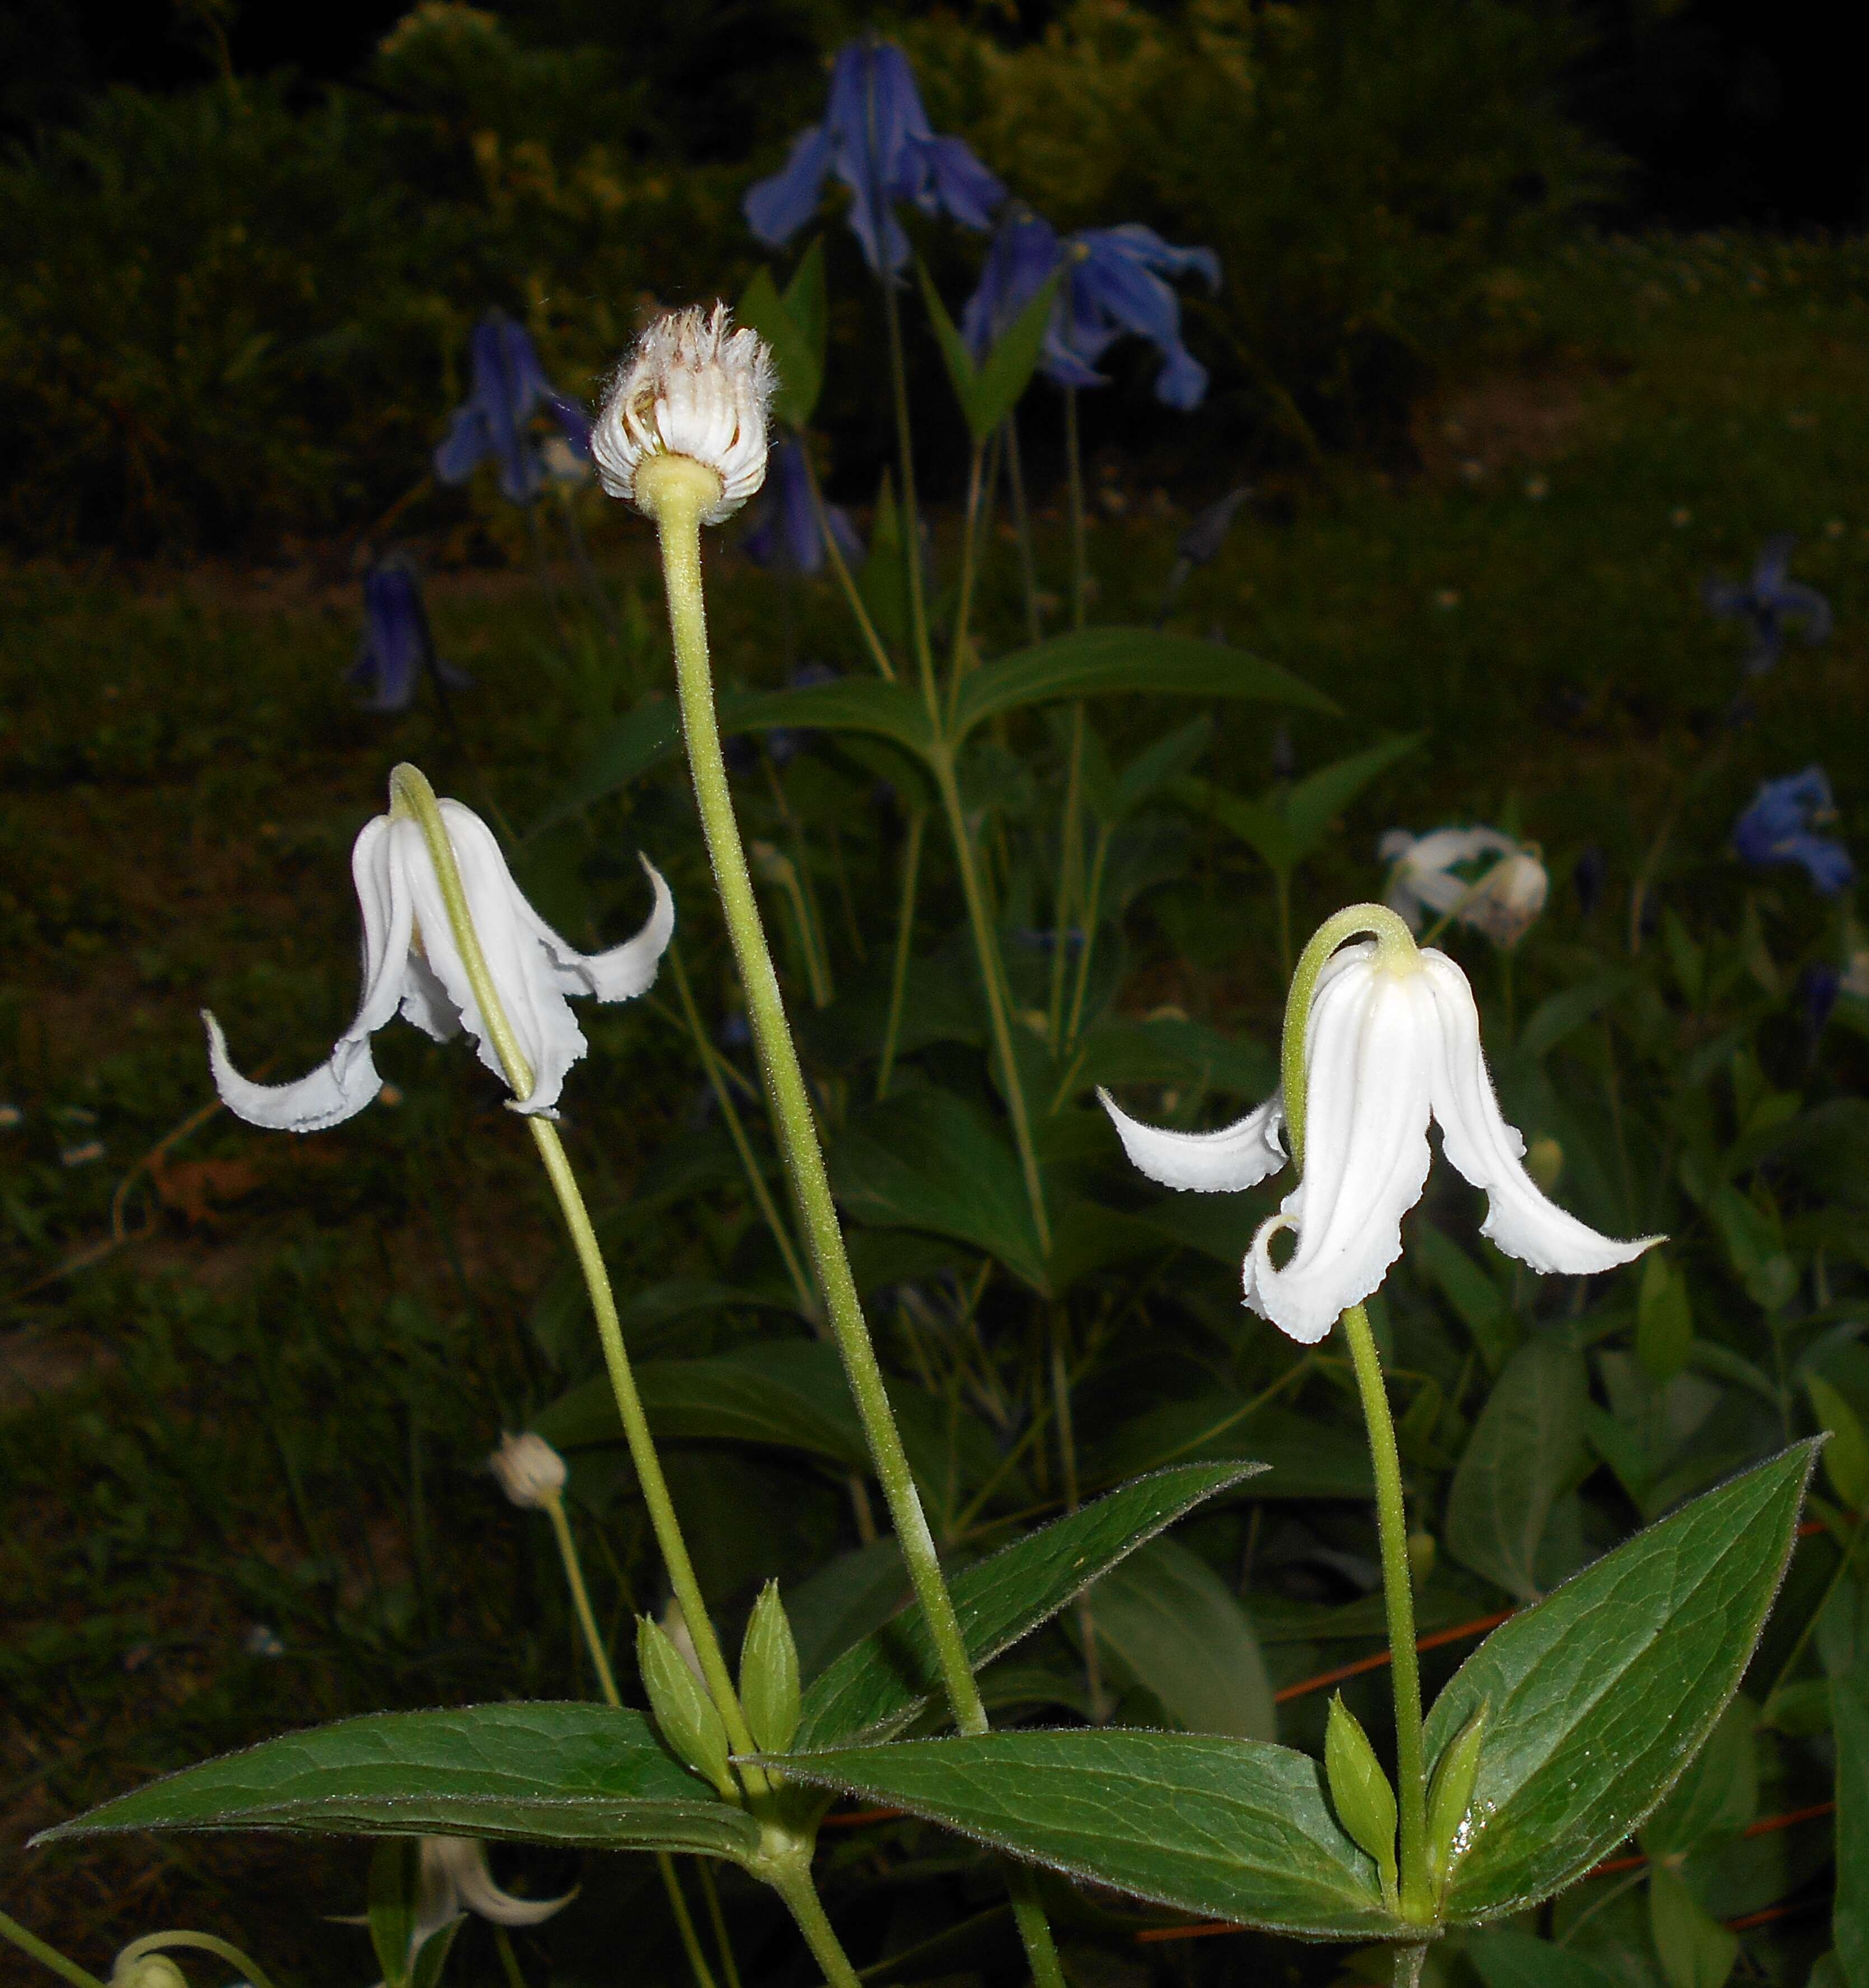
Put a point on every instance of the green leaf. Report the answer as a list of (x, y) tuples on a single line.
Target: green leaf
[(638, 741), (886, 1677), (788, 1393), (1846, 1455), (851, 704), (1177, 1628), (929, 1160), (989, 393), (1527, 1450), (395, 1887), (1097, 662), (1304, 1459), (1232, 1829), (797, 327), (1560, 1016), (1260, 824), (1849, 1720), (1155, 766), (1664, 1319), (1166, 1049), (1598, 1696), (1509, 1958), (1310, 807), (1718, 1796), (570, 1774), (1360, 1791), (1695, 1951), (1483, 1305)]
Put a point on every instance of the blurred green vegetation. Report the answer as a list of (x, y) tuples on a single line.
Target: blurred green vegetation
[(235, 313), (240, 1476)]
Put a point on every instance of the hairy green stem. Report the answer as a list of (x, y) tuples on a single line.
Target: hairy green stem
[(963, 606), (911, 516), (674, 491), (35, 1949), (794, 1885)]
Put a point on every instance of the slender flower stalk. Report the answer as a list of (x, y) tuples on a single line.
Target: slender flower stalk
[(35, 1949), (677, 492)]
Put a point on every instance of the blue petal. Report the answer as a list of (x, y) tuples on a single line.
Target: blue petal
[(464, 448), (1773, 562), (1023, 253), (777, 208), (1135, 243), (954, 182), (1793, 598), (1182, 381)]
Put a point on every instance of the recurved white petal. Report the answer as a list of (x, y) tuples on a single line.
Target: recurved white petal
[(1237, 1156), (623, 971), (341, 1087), (459, 1865), (1366, 1153), (1488, 1151)]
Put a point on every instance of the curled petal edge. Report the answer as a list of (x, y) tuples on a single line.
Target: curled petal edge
[(1237, 1156)]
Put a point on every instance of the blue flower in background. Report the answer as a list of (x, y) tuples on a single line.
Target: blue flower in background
[(877, 138), (1766, 601), (397, 645), (785, 536), (509, 388), (1776, 829), (1113, 289)]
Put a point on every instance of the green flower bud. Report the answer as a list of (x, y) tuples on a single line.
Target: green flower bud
[(1360, 1794), (1450, 1796), (684, 1712), (769, 1673)]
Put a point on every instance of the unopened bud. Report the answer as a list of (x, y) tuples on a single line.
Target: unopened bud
[(684, 1714), (531, 1471), (1450, 1796), (1360, 1791), (147, 1970), (694, 387), (769, 1673)]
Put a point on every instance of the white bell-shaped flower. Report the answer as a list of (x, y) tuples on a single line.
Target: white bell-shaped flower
[(1503, 902), (1393, 1038), (455, 1880), (413, 966)]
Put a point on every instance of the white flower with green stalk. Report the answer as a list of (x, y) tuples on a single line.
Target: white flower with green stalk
[(682, 437)]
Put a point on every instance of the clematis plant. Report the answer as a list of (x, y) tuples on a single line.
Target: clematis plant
[(876, 137), (1391, 1040), (1502, 899), (1113, 288), (421, 961), (398, 645), (1766, 601), (1776, 828), (493, 423)]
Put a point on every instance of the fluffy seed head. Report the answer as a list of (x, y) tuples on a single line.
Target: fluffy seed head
[(530, 1471), (693, 387)]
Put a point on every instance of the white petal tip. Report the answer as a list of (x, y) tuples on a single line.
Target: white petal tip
[(1239, 1155)]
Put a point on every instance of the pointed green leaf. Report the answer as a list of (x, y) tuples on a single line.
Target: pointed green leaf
[(1007, 370), (1599, 1696), (395, 1889), (1258, 824), (1156, 766), (1097, 662), (1525, 1452), (887, 1677), (571, 1774), (1696, 1951), (929, 1160), (954, 354), (1177, 1629), (796, 326), (1310, 807), (1233, 1829)]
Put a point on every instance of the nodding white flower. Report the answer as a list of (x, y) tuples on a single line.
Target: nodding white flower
[(693, 387), (1389, 1042), (412, 965), (530, 1471), (1502, 902), (454, 1880)]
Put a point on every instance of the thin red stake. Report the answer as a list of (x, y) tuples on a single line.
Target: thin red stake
[(858, 1817), (1764, 1826), (1326, 1679)]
